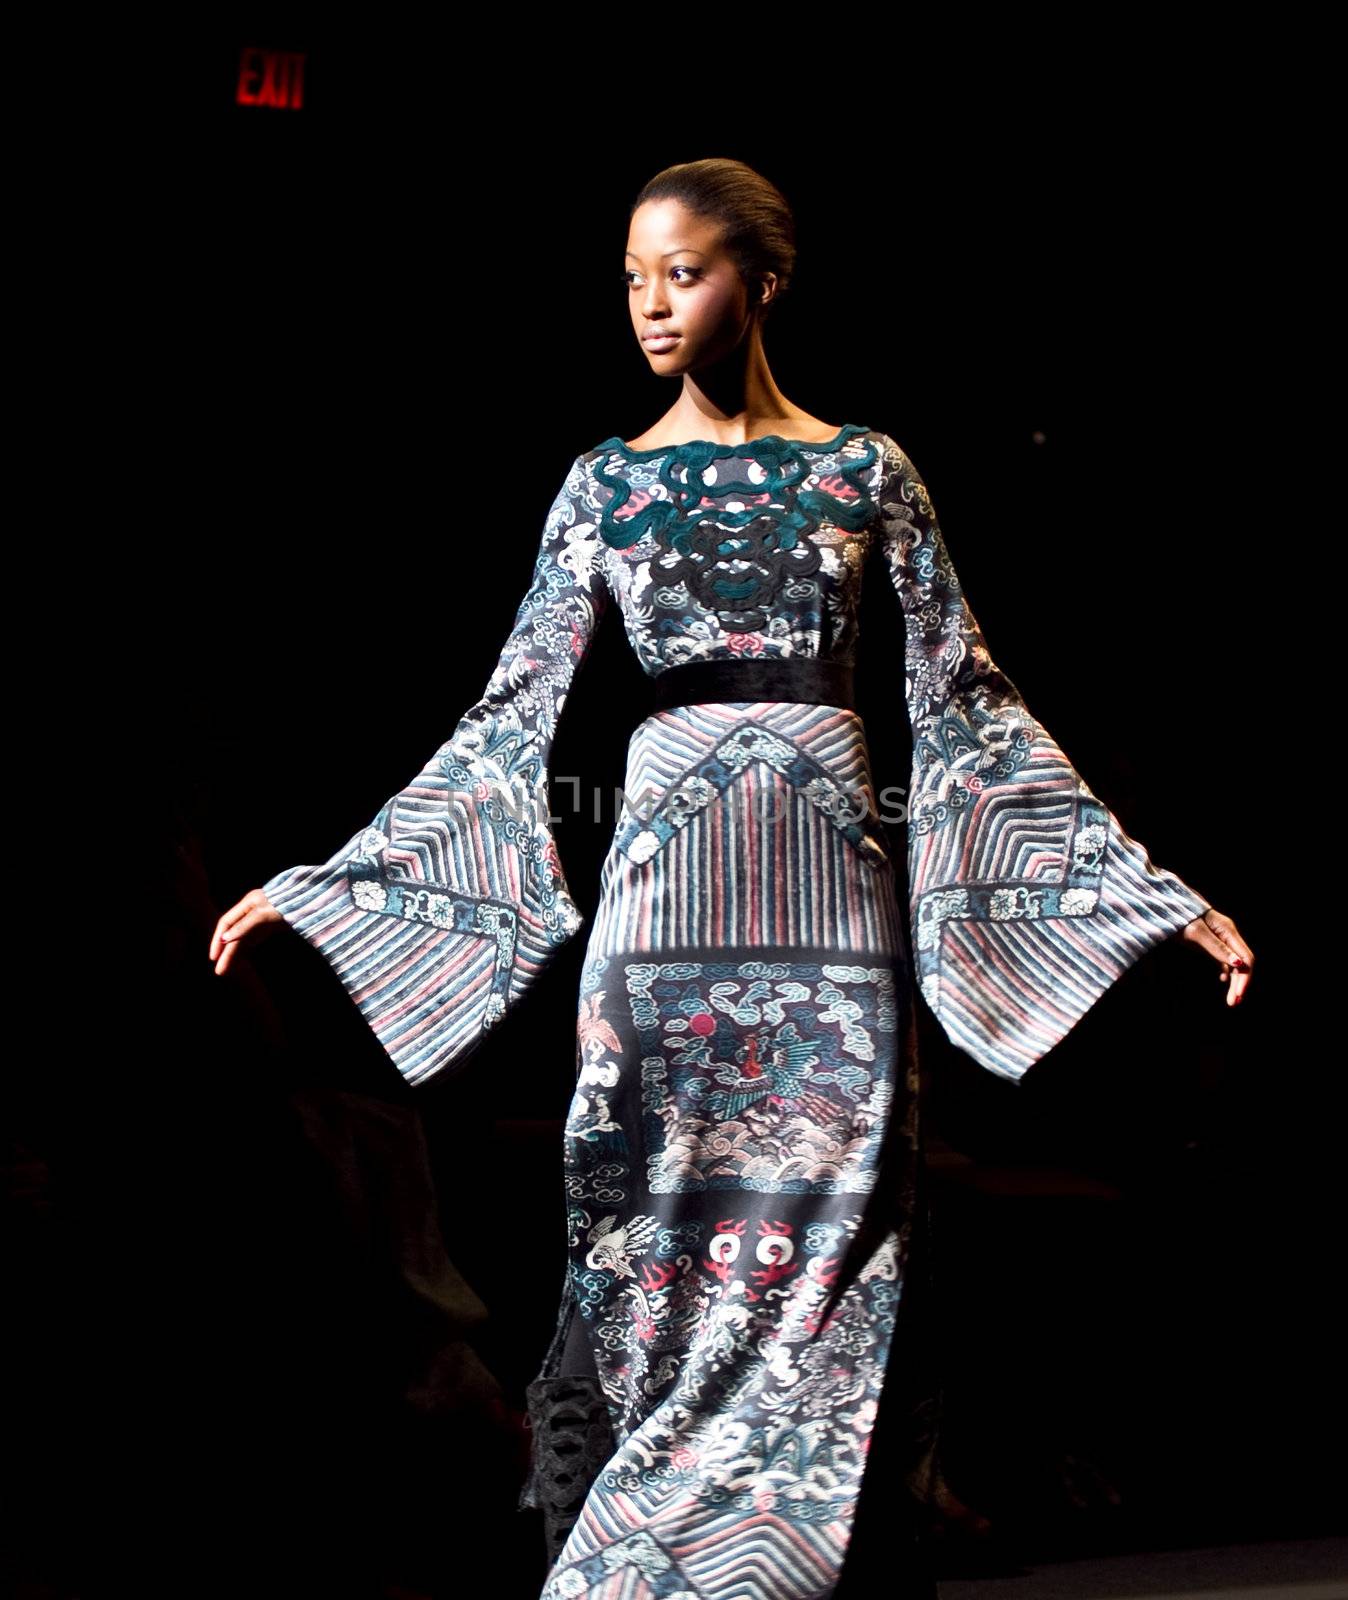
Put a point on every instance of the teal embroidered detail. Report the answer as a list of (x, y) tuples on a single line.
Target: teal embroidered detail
[(671, 519), (732, 539)]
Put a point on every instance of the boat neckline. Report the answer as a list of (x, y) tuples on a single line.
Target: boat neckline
[(847, 429)]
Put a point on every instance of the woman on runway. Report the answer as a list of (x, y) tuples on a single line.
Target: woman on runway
[(742, 1206)]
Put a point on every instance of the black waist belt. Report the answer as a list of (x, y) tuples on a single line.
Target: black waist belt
[(801, 678)]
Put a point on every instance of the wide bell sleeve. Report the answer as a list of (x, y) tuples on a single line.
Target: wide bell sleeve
[(1027, 899), (448, 905)]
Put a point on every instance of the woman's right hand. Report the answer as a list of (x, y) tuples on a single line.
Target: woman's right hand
[(253, 916)]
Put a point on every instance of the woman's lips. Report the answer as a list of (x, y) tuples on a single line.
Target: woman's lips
[(659, 341)]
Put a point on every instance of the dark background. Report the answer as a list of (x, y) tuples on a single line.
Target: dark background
[(340, 360)]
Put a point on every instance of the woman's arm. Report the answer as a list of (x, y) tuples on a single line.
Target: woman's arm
[(1028, 897), (448, 904)]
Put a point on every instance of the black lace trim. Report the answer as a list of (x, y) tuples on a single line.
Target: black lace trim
[(571, 1435), (572, 1442)]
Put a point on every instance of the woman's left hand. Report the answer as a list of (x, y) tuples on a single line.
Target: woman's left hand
[(1217, 934)]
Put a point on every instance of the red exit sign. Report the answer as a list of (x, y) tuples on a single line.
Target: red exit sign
[(271, 78)]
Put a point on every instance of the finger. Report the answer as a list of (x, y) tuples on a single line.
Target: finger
[(1235, 949), (233, 939), (240, 929), (227, 920), (1217, 935), (1235, 988), (1220, 924), (1204, 936), (1234, 964)]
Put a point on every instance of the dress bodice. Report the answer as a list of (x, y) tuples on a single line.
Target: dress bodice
[(718, 551)]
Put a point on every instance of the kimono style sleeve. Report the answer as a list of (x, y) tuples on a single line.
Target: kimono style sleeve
[(1027, 898), (445, 908)]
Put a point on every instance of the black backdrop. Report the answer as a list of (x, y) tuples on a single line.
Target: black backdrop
[(347, 354)]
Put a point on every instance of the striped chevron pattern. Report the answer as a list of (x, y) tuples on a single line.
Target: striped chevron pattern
[(759, 850)]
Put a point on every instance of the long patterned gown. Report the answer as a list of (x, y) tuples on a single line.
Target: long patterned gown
[(742, 1144)]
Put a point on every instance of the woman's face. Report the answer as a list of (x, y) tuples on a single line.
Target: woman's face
[(683, 287)]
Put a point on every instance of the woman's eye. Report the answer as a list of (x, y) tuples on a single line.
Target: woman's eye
[(691, 272)]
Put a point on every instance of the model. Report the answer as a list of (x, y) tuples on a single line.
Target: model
[(742, 1151)]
